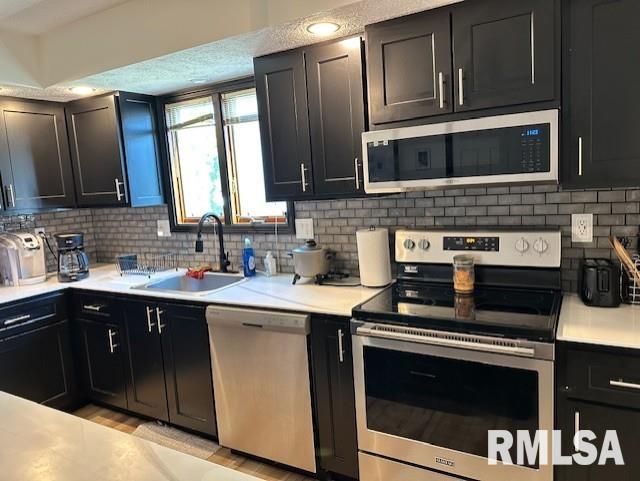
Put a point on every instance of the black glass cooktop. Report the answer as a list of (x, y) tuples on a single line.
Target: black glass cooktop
[(496, 311)]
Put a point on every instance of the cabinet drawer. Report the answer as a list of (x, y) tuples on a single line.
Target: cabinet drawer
[(30, 314), (612, 378), (88, 305)]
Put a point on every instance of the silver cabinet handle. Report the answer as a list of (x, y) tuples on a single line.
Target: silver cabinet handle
[(357, 168), (112, 345), (461, 86), (149, 323), (13, 320), (441, 89), (159, 312), (628, 385), (11, 195), (340, 345), (576, 427), (119, 193), (92, 307), (303, 177), (579, 155)]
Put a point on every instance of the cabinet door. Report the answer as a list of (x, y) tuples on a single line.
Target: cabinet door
[(409, 67), (34, 155), (284, 125), (38, 366), (505, 53), (185, 344), (102, 362), (599, 419), (146, 391), (336, 116), (601, 94), (335, 397), (140, 135), (96, 151)]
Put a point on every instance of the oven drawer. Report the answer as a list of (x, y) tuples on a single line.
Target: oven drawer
[(373, 468), (612, 378), (88, 305)]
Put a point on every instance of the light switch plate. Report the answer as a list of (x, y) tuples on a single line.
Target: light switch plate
[(304, 229), (582, 228), (164, 228)]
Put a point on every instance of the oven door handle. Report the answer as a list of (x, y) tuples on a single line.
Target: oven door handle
[(460, 341)]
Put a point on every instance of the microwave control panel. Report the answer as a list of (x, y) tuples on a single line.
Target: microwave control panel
[(532, 147)]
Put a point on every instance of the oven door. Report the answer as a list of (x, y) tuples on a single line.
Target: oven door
[(433, 405)]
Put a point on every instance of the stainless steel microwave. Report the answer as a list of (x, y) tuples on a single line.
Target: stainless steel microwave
[(504, 149)]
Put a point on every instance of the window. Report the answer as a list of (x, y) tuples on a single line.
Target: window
[(215, 161)]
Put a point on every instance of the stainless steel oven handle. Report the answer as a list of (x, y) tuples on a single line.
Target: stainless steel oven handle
[(628, 385), (448, 342)]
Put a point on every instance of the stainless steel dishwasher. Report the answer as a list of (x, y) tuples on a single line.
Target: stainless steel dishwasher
[(260, 368)]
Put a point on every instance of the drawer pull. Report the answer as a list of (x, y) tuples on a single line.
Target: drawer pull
[(92, 307), (628, 385), (25, 317)]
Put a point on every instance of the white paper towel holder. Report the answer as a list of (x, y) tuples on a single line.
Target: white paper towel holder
[(374, 273)]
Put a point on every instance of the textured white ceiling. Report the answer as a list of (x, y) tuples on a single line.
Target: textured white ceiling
[(39, 16), (232, 57)]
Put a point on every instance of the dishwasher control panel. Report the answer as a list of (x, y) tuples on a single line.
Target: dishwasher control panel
[(258, 319)]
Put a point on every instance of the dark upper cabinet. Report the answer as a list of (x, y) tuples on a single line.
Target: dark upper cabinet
[(146, 391), (601, 98), (34, 155), (336, 116), (409, 67), (505, 53), (113, 140), (38, 366), (284, 125), (102, 361), (335, 396), (187, 365)]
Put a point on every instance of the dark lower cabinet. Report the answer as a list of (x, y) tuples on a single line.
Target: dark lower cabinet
[(409, 67), (34, 155), (187, 367), (146, 392), (102, 360), (601, 98), (334, 395), (284, 125), (505, 53), (38, 365), (598, 389), (336, 116)]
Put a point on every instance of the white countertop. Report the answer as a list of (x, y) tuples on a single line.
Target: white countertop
[(260, 292), (38, 443), (616, 327)]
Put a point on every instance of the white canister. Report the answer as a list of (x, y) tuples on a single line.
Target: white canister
[(374, 257)]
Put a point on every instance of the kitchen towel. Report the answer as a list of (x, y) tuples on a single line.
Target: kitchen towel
[(374, 257)]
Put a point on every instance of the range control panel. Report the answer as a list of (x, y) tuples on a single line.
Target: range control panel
[(516, 248)]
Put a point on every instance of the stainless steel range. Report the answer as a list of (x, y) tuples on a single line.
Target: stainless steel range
[(435, 370)]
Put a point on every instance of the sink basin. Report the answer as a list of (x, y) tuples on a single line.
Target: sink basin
[(181, 283)]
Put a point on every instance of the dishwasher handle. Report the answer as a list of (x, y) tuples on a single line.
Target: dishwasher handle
[(289, 322)]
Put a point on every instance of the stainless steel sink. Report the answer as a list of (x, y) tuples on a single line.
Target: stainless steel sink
[(181, 283)]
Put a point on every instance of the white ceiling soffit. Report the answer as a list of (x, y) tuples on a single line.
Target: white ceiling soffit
[(232, 58), (39, 16)]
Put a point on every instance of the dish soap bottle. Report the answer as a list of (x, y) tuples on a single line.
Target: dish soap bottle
[(248, 259), (270, 267)]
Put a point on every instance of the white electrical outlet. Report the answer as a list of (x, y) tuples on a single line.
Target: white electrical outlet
[(164, 228), (304, 229), (582, 228), (39, 231)]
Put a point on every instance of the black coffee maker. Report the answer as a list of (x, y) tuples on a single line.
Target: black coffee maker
[(73, 262)]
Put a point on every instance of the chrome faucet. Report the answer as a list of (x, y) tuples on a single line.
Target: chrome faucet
[(224, 256)]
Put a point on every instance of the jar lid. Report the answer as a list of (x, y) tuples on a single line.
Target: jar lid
[(463, 260)]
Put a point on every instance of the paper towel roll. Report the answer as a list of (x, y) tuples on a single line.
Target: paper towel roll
[(374, 257)]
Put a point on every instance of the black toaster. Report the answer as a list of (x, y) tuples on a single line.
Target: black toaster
[(600, 283)]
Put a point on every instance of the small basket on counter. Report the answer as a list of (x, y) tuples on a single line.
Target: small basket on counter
[(146, 264)]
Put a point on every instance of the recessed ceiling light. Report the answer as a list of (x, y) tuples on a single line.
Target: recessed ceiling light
[(198, 80), (82, 90), (323, 28)]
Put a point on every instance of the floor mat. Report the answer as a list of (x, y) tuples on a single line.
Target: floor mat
[(178, 440)]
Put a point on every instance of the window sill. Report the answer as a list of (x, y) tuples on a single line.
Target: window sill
[(237, 228)]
